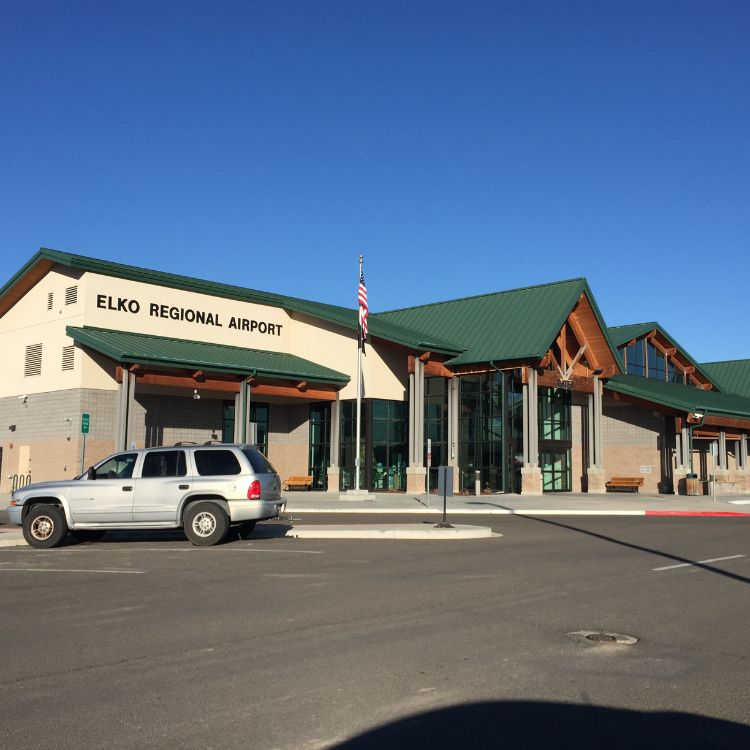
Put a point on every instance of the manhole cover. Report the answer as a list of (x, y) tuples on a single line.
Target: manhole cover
[(600, 636)]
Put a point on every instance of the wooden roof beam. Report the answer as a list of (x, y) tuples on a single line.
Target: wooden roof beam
[(591, 358)]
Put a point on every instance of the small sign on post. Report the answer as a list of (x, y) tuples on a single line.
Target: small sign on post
[(85, 422), (445, 488)]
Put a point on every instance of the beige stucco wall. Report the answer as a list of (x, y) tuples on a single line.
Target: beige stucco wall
[(320, 342), (29, 322)]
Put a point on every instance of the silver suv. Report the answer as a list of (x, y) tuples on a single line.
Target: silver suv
[(203, 489)]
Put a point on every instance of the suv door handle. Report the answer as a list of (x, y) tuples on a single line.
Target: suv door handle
[(184, 486), (127, 488)]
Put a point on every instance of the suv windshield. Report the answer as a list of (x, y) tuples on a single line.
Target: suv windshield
[(260, 464)]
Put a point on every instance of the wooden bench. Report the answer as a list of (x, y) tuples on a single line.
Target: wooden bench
[(302, 483), (625, 483)]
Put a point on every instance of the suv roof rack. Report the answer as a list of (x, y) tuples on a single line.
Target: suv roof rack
[(186, 442)]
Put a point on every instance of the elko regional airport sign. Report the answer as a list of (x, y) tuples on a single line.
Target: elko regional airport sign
[(187, 314)]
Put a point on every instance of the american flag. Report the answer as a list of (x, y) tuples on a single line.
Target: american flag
[(362, 299)]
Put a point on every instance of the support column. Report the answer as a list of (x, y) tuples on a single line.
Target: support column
[(237, 421), (682, 461), (121, 421), (743, 451), (129, 411), (415, 472), (721, 457), (531, 474), (597, 485), (334, 471), (453, 429)]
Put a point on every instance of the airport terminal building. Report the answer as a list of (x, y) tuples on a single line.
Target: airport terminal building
[(526, 390)]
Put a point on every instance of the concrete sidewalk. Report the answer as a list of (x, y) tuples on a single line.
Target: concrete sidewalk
[(301, 504), (611, 504)]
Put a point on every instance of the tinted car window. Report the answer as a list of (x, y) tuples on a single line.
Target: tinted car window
[(210, 463), (117, 467), (260, 464), (164, 464)]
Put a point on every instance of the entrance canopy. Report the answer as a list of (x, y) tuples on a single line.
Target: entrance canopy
[(157, 351)]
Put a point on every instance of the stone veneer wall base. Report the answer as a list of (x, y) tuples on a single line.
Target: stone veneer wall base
[(415, 479), (531, 480), (597, 481)]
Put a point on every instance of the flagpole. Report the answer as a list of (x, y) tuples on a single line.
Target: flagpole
[(359, 395)]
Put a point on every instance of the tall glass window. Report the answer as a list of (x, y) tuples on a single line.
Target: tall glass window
[(635, 359), (259, 414), (347, 441), (227, 422), (554, 414), (656, 365), (436, 424), (513, 430), (383, 444), (555, 439), (389, 444), (320, 444), (481, 431)]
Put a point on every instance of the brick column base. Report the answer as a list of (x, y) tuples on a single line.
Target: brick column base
[(531, 480), (678, 480), (334, 478), (597, 481), (415, 479)]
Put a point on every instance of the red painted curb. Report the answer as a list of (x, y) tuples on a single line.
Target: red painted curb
[(694, 513)]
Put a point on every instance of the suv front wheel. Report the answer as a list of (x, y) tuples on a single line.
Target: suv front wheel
[(45, 526), (206, 524)]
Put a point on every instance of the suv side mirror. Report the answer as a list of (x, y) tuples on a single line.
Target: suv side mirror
[(91, 473)]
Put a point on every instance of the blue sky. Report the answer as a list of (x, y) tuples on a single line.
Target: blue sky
[(462, 147)]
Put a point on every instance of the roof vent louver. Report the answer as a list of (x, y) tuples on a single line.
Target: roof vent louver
[(33, 364), (68, 357), (50, 298), (71, 295)]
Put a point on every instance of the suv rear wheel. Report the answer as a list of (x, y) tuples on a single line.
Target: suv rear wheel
[(206, 524), (45, 526)]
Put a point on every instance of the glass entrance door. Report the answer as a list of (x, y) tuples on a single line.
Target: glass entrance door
[(555, 439)]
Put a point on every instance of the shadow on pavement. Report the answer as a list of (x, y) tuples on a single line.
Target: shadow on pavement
[(263, 530), (535, 725), (650, 550)]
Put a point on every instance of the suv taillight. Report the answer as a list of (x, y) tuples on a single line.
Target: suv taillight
[(253, 491)]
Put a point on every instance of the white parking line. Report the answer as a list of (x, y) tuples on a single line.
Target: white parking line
[(69, 570), (699, 562)]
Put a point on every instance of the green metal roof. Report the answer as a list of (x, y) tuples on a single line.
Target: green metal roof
[(519, 324), (732, 376), (343, 316), (132, 348), (680, 397), (622, 334)]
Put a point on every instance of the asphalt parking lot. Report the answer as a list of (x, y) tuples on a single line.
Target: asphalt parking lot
[(146, 641)]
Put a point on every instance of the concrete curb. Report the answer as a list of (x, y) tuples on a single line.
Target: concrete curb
[(12, 538), (392, 531), (299, 511)]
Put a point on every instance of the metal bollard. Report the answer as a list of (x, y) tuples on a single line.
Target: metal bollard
[(477, 483)]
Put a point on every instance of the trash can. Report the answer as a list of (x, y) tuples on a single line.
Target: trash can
[(693, 485)]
